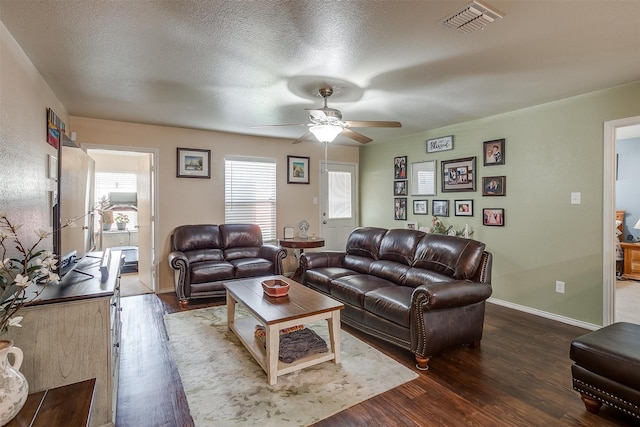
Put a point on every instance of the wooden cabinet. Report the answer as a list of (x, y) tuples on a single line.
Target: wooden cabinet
[(71, 333), (631, 260)]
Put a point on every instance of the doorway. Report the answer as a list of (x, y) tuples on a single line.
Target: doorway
[(611, 131), (338, 203), (125, 183)]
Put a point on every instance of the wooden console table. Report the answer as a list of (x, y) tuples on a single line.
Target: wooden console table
[(301, 244), (631, 260), (66, 406), (71, 332)]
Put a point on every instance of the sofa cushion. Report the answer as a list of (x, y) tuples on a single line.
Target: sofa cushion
[(320, 278), (241, 252), (352, 289), (392, 271), (251, 267), (453, 256), (240, 235), (392, 303), (365, 242), (211, 271), (417, 276), (203, 255), (400, 245), (193, 237), (357, 263)]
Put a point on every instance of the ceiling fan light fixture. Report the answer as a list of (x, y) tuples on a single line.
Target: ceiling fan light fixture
[(325, 133)]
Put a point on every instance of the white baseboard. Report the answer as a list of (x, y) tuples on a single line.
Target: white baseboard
[(546, 315)]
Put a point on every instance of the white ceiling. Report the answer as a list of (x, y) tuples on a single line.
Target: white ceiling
[(228, 65)]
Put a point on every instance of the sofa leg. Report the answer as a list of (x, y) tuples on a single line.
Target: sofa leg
[(475, 344), (592, 405), (423, 363), (184, 303)]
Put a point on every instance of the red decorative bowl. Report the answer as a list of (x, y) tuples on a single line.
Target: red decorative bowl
[(275, 287)]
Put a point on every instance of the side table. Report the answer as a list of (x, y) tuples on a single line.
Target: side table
[(301, 244)]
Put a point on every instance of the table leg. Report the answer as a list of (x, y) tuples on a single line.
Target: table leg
[(334, 334), (297, 275), (231, 310), (272, 352)]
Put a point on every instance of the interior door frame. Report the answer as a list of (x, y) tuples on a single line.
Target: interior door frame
[(608, 214), (154, 190), (326, 165)]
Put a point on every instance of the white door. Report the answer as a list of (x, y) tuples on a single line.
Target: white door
[(338, 203), (146, 250)]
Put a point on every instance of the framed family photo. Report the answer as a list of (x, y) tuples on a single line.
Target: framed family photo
[(458, 175), (400, 208), (493, 217), (494, 186), (400, 188), (420, 207), (193, 163), (440, 208), (297, 170), (493, 152), (464, 208), (400, 167)]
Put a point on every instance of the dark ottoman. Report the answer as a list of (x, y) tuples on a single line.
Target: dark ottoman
[(607, 368)]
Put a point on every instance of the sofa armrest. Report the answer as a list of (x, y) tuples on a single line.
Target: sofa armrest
[(181, 278), (310, 260), (275, 254), (458, 293)]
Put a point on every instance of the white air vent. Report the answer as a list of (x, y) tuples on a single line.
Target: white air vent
[(472, 17)]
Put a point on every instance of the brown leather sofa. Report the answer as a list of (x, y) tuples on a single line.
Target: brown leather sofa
[(205, 256), (422, 292)]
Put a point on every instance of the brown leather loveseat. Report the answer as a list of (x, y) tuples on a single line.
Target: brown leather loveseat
[(422, 292), (205, 256)]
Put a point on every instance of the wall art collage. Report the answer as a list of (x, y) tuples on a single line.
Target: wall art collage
[(455, 175)]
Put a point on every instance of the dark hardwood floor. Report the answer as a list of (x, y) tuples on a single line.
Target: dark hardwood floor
[(519, 376)]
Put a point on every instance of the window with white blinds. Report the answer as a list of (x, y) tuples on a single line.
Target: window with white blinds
[(250, 193), (116, 182)]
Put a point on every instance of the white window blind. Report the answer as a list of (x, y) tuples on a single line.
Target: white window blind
[(116, 182), (339, 202), (250, 193)]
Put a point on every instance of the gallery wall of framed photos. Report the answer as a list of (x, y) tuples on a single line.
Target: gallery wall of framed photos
[(416, 179)]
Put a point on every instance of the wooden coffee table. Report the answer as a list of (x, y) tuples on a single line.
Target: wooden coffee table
[(301, 305)]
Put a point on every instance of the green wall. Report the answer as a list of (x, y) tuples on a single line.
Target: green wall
[(551, 150)]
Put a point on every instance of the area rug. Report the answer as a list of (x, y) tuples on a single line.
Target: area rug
[(226, 387)]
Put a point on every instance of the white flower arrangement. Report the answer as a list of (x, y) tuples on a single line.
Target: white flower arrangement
[(20, 270)]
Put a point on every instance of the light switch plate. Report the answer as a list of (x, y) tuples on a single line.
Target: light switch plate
[(575, 198)]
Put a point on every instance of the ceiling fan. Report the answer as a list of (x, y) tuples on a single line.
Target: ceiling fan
[(326, 123)]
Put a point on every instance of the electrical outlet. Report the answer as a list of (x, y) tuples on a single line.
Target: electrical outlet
[(559, 287)]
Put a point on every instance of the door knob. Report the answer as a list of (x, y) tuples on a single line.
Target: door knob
[(324, 222)]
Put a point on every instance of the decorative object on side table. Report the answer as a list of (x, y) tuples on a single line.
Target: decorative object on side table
[(303, 228), (17, 272)]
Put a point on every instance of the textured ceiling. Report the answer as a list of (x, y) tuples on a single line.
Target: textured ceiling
[(228, 65)]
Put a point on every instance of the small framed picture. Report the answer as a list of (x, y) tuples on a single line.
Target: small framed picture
[(288, 232), (464, 207), (411, 225), (420, 207), (440, 208), (297, 170), (493, 217), (400, 208), (458, 175), (400, 188), (400, 167), (193, 163), (493, 152), (494, 186)]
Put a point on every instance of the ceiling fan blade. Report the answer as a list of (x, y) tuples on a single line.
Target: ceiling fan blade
[(371, 124), (268, 126), (357, 136), (304, 137)]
